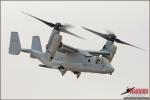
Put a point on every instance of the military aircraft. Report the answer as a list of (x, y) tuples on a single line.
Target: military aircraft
[(66, 58)]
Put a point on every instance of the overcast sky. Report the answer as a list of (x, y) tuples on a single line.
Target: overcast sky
[(23, 78)]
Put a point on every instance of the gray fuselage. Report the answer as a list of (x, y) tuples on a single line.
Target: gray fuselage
[(79, 63)]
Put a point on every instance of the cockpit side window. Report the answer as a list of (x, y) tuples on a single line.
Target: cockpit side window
[(97, 61), (101, 60)]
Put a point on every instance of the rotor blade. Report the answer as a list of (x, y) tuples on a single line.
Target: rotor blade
[(109, 31), (122, 42), (97, 33), (67, 26), (47, 23), (66, 31)]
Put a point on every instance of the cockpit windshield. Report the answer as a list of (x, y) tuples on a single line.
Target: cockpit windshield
[(101, 60)]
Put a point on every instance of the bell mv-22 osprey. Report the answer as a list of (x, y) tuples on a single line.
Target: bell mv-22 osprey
[(65, 58)]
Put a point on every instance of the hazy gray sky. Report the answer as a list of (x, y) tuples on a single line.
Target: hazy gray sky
[(23, 78)]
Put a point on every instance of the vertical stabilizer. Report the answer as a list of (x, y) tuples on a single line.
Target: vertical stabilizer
[(36, 46), (14, 46), (36, 43)]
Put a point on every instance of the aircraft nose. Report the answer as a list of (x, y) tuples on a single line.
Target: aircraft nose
[(110, 68)]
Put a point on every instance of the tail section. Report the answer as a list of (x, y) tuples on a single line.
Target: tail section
[(14, 46), (36, 45)]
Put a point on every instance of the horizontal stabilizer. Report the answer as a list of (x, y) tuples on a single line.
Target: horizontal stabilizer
[(14, 46)]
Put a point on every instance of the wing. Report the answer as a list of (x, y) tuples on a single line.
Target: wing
[(97, 53), (69, 49), (88, 53), (66, 48), (94, 53)]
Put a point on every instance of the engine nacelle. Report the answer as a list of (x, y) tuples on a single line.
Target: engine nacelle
[(53, 46), (112, 49)]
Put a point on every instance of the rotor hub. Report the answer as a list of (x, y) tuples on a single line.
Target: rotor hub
[(57, 26), (112, 37)]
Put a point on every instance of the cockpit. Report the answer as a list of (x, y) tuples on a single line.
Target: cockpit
[(101, 60), (107, 68)]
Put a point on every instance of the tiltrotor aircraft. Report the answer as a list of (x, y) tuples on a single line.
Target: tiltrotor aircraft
[(65, 58)]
